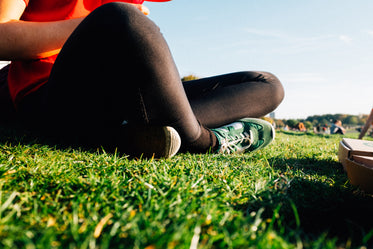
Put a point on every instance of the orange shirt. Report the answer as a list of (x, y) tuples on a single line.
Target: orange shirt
[(27, 76)]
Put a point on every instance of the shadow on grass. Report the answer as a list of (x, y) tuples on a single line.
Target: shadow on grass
[(15, 134), (11, 133), (330, 206)]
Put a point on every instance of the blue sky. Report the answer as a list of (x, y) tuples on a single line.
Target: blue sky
[(322, 51)]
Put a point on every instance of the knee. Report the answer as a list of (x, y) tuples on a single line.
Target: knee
[(119, 13), (114, 8), (277, 89), (272, 85), (125, 19)]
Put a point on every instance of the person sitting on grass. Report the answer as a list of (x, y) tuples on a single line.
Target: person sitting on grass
[(100, 73), (336, 128)]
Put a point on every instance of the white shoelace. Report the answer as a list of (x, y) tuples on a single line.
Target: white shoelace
[(229, 144)]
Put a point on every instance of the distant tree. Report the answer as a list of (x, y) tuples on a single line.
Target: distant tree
[(324, 121), (315, 122), (189, 77), (308, 125), (279, 123), (327, 119), (292, 123), (363, 119), (340, 116), (351, 120)]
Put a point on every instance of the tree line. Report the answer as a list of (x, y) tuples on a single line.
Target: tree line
[(324, 120)]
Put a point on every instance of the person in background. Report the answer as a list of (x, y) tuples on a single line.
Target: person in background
[(300, 127), (99, 72), (336, 128)]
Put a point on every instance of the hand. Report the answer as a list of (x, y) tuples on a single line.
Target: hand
[(142, 8)]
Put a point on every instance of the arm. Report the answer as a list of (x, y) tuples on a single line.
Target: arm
[(21, 40), (30, 40)]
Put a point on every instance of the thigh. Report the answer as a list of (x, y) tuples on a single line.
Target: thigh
[(116, 66), (223, 99), (93, 67)]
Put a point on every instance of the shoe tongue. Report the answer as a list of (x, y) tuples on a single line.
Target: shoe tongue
[(236, 125)]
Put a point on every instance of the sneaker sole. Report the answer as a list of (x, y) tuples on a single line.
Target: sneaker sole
[(153, 142), (173, 141)]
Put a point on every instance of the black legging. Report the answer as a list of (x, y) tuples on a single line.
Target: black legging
[(117, 66)]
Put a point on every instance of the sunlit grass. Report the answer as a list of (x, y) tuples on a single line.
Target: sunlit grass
[(292, 194)]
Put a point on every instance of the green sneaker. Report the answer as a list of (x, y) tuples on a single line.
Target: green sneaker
[(246, 134)]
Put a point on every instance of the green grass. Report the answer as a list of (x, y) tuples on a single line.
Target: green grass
[(292, 194)]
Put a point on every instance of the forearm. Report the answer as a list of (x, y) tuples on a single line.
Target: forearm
[(21, 40)]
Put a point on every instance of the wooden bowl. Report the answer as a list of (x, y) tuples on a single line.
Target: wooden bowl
[(359, 174)]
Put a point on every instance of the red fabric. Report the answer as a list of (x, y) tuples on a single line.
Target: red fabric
[(27, 76)]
